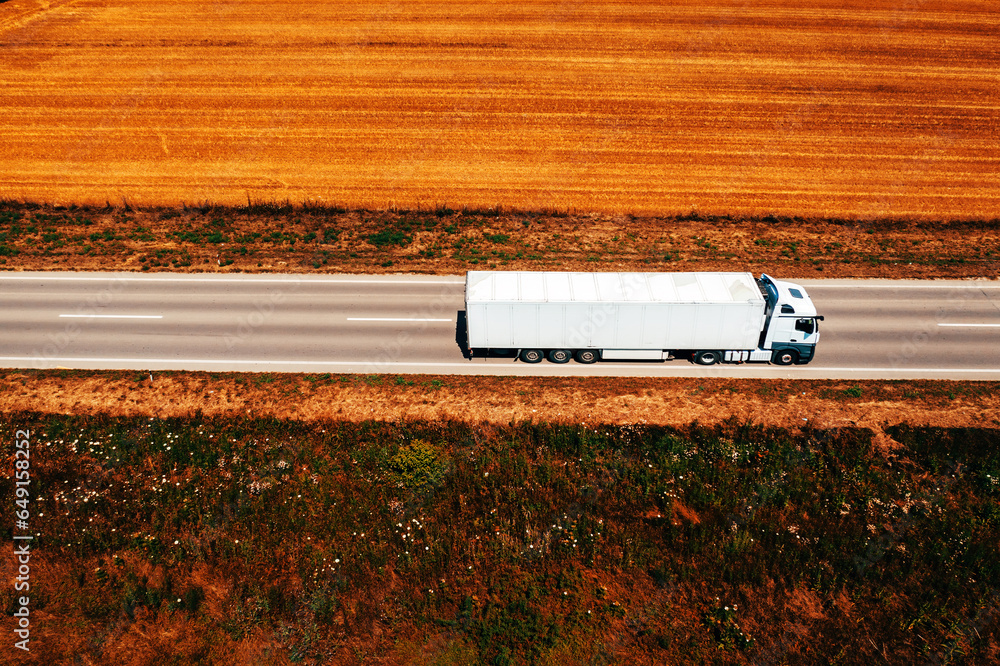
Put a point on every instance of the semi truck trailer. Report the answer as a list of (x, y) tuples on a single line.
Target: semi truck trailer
[(706, 318)]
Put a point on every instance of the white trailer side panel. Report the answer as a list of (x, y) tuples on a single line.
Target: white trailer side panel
[(551, 325), (656, 326), (499, 327), (580, 327), (613, 310), (629, 326), (523, 322)]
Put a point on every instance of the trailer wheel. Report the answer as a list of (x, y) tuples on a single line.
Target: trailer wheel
[(707, 357), (560, 356), (532, 356), (785, 357), (586, 356)]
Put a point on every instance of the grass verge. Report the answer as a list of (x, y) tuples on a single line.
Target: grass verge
[(262, 237), (251, 540), (501, 400)]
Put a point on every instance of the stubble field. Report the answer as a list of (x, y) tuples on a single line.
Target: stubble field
[(875, 109)]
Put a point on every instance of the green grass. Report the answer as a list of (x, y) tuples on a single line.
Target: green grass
[(388, 237), (522, 542)]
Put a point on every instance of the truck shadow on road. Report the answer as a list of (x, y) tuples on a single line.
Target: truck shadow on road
[(461, 334)]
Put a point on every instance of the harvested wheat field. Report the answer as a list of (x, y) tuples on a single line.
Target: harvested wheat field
[(866, 110)]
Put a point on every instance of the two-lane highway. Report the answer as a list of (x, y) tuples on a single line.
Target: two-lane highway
[(411, 324)]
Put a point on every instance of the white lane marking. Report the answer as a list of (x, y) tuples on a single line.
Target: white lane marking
[(112, 316), (973, 325), (249, 280), (392, 319), (902, 286), (469, 364)]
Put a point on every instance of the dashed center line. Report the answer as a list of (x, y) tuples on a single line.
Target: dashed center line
[(392, 319), (111, 316)]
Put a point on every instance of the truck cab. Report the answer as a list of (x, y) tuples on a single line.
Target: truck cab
[(792, 323)]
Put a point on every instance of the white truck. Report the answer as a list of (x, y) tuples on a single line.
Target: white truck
[(707, 318)]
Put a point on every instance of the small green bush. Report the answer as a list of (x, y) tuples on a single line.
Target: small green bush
[(390, 237), (418, 466)]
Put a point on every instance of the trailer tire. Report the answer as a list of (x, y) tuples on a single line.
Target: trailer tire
[(586, 356), (531, 355), (707, 357), (560, 356), (785, 357)]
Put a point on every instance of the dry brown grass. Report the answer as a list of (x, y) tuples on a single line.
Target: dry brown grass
[(866, 109), (502, 400), (297, 240)]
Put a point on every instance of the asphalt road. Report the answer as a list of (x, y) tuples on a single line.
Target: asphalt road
[(409, 324)]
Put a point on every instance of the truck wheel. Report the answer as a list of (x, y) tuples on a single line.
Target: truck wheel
[(707, 357), (586, 356), (560, 356), (532, 356), (785, 357)]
